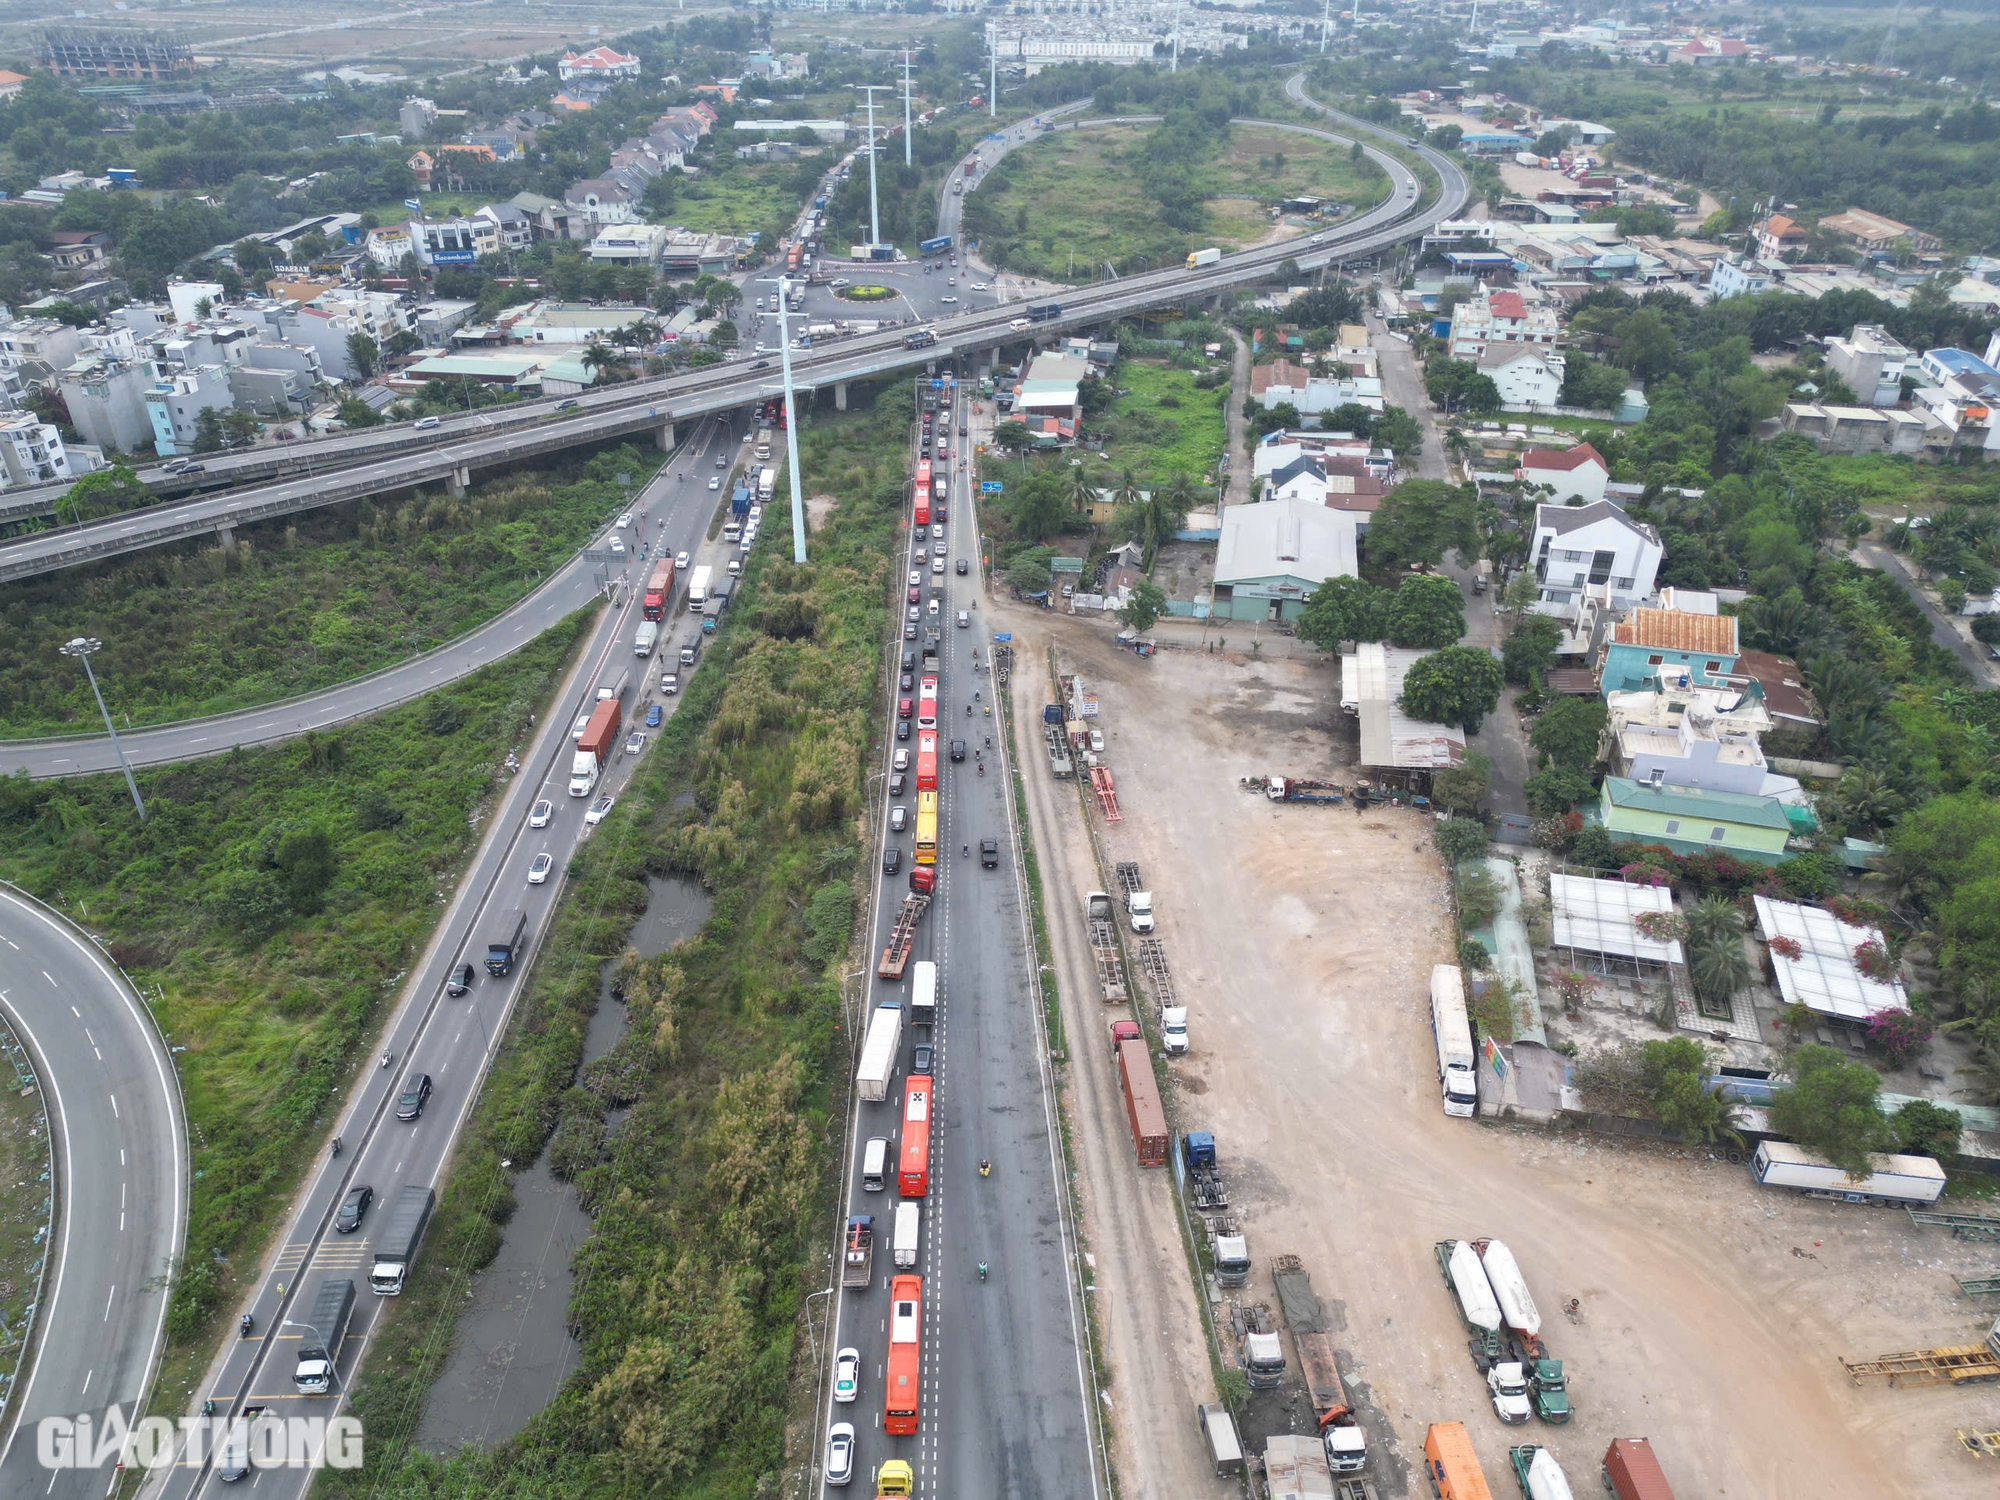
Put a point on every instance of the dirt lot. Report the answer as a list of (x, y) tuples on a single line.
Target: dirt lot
[(1712, 1313)]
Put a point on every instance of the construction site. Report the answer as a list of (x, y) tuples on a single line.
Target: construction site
[(1290, 1240)]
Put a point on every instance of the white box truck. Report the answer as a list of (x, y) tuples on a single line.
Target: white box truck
[(647, 638), (1452, 1031), (923, 991), (1206, 257), (878, 1052), (909, 1232), (698, 583), (1892, 1179)]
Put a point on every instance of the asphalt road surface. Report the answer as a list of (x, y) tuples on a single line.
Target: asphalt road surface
[(1006, 1409), (114, 1112), (452, 1040), (570, 588)]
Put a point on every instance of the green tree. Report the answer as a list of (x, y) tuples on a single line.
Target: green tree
[(1672, 1074), (1568, 731), (1460, 789), (1011, 436), (1458, 685), (1029, 571), (1530, 649), (1646, 345), (1927, 1129), (1400, 433), (1831, 1106), (103, 493), (1148, 601), (356, 413), (1039, 512), (597, 357), (1553, 791), (1459, 839), (1426, 611), (1418, 522), (306, 859), (208, 430), (364, 354), (1343, 609)]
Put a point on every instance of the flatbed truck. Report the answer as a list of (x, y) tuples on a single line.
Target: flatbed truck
[(1951, 1364), (857, 1265), (902, 937), (1346, 1444)]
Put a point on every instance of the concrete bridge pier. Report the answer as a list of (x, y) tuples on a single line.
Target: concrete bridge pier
[(458, 481), (227, 536), (840, 395), (663, 437)]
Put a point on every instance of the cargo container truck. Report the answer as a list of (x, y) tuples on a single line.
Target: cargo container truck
[(1891, 1179), (600, 738), (1452, 1465), (398, 1246), (878, 1053), (659, 590), (1206, 257), (1451, 1031), (1142, 1103), (1631, 1472)]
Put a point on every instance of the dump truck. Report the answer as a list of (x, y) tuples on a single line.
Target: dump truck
[(323, 1332), (1302, 789), (1631, 1472), (1548, 1387), (1951, 1364), (902, 937), (1142, 1103), (1538, 1474), (879, 1049), (397, 1247), (1203, 1171), (1472, 1295), (1138, 900), (1454, 1468), (857, 1265), (1346, 1443)]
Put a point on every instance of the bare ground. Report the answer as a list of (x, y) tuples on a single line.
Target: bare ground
[(1712, 1312)]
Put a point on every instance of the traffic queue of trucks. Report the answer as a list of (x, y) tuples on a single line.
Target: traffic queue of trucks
[(594, 746)]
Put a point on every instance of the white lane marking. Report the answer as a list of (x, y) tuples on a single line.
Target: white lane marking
[(50, 978), (114, 1106), (108, 1301)]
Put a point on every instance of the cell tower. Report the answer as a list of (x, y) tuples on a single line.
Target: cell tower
[(1885, 56)]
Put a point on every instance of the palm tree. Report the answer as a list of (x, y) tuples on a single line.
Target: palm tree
[(597, 357), (1714, 919), (1082, 493), (1719, 969)]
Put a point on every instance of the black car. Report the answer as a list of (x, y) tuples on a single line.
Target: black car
[(989, 853), (416, 1094), (921, 1060), (568, 405), (964, 567), (353, 1208), (460, 981), (896, 783), (958, 749), (902, 729), (762, 364), (909, 661), (892, 859)]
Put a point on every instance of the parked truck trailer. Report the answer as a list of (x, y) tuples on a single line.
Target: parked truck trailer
[(1451, 1032), (1891, 1179), (1631, 1472), (1472, 1296), (1452, 1465), (594, 747), (1142, 1103)]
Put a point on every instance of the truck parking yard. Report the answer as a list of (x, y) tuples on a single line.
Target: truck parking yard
[(1303, 950)]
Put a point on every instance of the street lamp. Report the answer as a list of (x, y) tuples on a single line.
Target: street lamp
[(791, 418), (80, 648)]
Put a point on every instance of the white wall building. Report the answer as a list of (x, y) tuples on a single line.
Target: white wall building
[(1578, 473), (1574, 547), (31, 452), (1872, 361), (1524, 374), (1501, 317)]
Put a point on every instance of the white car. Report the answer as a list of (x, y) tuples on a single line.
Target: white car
[(625, 521), (582, 723), (756, 513), (600, 810), (980, 286), (899, 819), (540, 813), (937, 567), (680, 559), (841, 281), (618, 546), (900, 761), (670, 684), (847, 1375), (840, 1453), (425, 424), (635, 742), (915, 578), (947, 299), (934, 605), (715, 484), (964, 620), (539, 870)]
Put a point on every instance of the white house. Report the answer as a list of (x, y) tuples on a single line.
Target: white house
[(1578, 473), (1501, 318), (598, 63), (1283, 383), (1524, 374), (1872, 361), (1738, 276), (1578, 546)]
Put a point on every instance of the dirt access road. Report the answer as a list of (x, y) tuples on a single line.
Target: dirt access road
[(1712, 1312)]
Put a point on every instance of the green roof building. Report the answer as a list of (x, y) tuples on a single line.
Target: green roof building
[(1689, 820)]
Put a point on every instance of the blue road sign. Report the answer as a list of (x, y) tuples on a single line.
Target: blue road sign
[(1005, 635), (989, 487)]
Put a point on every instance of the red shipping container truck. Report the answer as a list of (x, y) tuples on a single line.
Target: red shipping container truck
[(1142, 1103), (659, 590), (1632, 1473)]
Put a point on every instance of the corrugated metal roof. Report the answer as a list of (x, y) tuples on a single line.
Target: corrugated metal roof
[(1824, 977), (1745, 809), (1677, 630)]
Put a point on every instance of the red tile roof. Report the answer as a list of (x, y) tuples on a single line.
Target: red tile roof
[(1507, 305), (1564, 462), (1278, 372)]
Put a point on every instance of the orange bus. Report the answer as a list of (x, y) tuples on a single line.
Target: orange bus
[(927, 828), (923, 492), (906, 1321), (927, 703), (913, 1167), (927, 762)]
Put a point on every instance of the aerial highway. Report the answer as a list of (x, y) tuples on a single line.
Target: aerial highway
[(450, 1039), (121, 1181), (1006, 1401), (654, 406)]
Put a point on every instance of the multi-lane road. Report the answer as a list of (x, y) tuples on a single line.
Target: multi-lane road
[(114, 1111), (452, 1040), (1006, 1400)]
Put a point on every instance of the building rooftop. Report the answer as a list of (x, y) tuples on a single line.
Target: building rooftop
[(1371, 682), (1564, 460), (1285, 538), (1598, 916), (1824, 977), (1676, 630), (1743, 808)]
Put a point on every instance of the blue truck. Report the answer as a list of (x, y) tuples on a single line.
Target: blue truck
[(739, 502), (1044, 312), (937, 246)]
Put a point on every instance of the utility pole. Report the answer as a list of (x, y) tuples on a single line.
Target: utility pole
[(1177, 41), (906, 106), (1325, 23), (791, 418), (993, 78), (874, 205), (80, 648)]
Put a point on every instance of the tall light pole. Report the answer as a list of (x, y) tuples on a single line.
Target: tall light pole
[(906, 106), (874, 208), (791, 419), (332, 1375), (80, 648), (993, 76)]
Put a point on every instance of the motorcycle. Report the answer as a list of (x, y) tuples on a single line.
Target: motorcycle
[(387, 1058), (243, 1328), (982, 768), (982, 1270), (336, 1145), (985, 1168)]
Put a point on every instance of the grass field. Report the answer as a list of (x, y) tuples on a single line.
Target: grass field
[(272, 900), (337, 593), (741, 200), (1072, 201), (1161, 424)]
